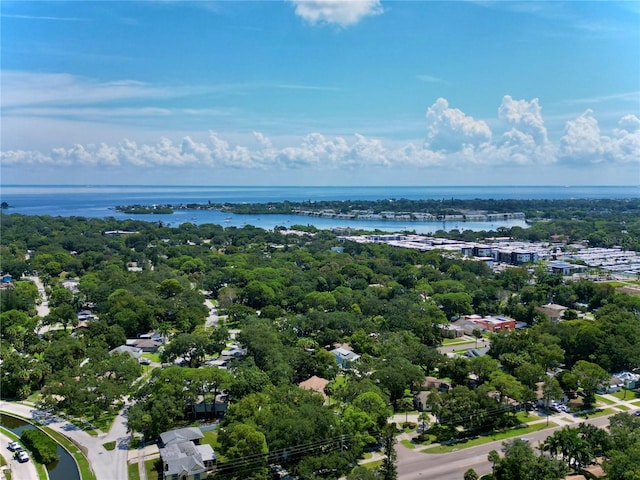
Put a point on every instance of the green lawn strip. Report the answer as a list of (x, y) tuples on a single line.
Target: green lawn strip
[(526, 417), (624, 408), (408, 443), (109, 445), (637, 404), (153, 468), (596, 413), (516, 432), (372, 465), (40, 468), (133, 473), (154, 357), (605, 400), (211, 438), (626, 394), (83, 464), (447, 342)]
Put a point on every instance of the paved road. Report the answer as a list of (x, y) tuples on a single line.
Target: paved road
[(212, 318), (107, 465), (20, 471), (414, 465)]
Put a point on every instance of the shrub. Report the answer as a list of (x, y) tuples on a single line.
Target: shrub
[(44, 449)]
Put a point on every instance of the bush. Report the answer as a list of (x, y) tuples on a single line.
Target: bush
[(44, 449)]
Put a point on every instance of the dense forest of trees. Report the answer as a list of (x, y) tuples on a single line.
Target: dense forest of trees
[(292, 297)]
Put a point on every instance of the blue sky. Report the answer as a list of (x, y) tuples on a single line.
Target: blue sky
[(320, 92)]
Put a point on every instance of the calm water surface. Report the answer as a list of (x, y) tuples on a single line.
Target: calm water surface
[(64, 469), (99, 202)]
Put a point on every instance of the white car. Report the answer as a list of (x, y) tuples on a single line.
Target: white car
[(14, 446), (23, 456)]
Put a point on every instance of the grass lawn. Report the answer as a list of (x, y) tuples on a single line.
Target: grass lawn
[(408, 443), (211, 437), (622, 407), (109, 445), (526, 417), (132, 469), (154, 357), (457, 341), (83, 464), (516, 432), (153, 469), (597, 413), (372, 465), (626, 394), (604, 400), (637, 404), (410, 426)]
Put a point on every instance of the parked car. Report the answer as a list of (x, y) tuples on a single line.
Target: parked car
[(14, 446), (23, 456), (637, 413)]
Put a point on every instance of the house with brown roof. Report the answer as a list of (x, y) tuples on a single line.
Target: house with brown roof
[(316, 384)]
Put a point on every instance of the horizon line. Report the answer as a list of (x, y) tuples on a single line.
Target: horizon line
[(88, 185)]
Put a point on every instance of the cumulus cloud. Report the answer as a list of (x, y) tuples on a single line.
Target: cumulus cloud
[(624, 145), (526, 139), (337, 12), (453, 139), (315, 149), (525, 117), (450, 129), (583, 142)]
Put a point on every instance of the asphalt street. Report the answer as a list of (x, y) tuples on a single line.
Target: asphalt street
[(20, 471), (107, 465)]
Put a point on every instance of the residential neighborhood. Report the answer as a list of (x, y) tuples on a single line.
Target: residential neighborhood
[(237, 353)]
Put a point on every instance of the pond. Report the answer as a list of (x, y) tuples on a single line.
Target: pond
[(64, 469)]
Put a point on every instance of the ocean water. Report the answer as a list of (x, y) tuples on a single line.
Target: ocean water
[(100, 201)]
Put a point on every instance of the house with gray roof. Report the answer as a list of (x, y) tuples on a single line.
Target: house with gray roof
[(183, 458), (180, 435), (344, 357), (134, 352)]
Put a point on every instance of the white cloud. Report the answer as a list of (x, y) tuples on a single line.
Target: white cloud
[(454, 140), (28, 88), (450, 129), (524, 117), (584, 143), (338, 12), (625, 142)]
